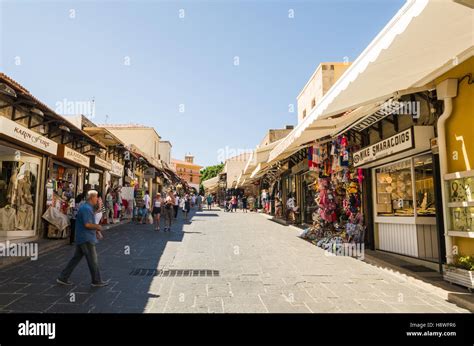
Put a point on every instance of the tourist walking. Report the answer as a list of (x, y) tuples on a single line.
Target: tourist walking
[(156, 212), (199, 202), (87, 235), (209, 201), (234, 203), (244, 203), (100, 209), (146, 207), (109, 206), (169, 202)]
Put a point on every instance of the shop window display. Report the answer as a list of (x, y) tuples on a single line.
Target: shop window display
[(424, 185), (394, 189), (461, 201), (406, 187), (18, 190), (60, 192)]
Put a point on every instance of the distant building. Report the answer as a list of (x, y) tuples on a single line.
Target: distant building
[(274, 135), (188, 170), (233, 168), (143, 137), (165, 151), (326, 74)]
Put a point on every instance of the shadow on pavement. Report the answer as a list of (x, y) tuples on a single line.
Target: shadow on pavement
[(31, 287)]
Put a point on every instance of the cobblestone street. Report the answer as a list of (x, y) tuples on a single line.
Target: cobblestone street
[(217, 262)]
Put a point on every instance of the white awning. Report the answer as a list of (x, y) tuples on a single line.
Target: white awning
[(422, 41), (210, 184)]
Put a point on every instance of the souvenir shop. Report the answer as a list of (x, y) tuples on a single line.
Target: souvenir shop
[(94, 178), (403, 185), (335, 186), (115, 175), (22, 158), (65, 182)]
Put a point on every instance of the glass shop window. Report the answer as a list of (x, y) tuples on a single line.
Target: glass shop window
[(424, 185), (394, 189)]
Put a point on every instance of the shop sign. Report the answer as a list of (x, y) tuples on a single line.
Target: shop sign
[(101, 163), (388, 108), (150, 173), (116, 169), (300, 166), (392, 145), (14, 130), (73, 156)]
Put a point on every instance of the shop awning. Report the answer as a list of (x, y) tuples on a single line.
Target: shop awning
[(211, 185), (422, 41), (103, 135)]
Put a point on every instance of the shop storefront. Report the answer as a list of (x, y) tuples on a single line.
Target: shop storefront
[(403, 186), (22, 157), (115, 176), (66, 173), (95, 174), (309, 181)]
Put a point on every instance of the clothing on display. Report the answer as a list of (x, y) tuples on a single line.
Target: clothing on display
[(337, 217), (7, 218), (17, 207)]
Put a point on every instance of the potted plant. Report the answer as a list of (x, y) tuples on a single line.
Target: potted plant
[(461, 272)]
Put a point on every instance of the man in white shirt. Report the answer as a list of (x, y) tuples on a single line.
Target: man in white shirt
[(146, 207)]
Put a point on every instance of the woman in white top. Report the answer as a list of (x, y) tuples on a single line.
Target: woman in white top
[(156, 211)]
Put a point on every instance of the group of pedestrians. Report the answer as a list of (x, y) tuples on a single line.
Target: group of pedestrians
[(168, 205), (89, 210), (232, 204)]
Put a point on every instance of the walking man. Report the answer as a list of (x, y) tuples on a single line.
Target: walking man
[(209, 202), (146, 207), (87, 233)]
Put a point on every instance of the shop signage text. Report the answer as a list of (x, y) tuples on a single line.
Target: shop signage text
[(395, 144), (388, 108), (149, 173), (74, 156), (116, 169), (102, 163), (22, 134)]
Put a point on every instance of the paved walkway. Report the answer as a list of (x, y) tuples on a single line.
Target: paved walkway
[(217, 262)]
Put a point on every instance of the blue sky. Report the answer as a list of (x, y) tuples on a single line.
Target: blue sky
[(143, 63)]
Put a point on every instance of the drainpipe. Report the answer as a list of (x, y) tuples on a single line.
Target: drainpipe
[(446, 91)]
